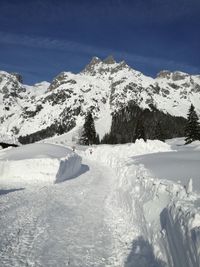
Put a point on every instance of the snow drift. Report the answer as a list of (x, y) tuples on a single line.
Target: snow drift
[(162, 213), (114, 154), (38, 163)]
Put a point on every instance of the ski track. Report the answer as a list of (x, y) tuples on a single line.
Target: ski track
[(63, 224)]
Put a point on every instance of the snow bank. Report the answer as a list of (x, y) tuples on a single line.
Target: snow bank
[(179, 166), (164, 213), (112, 154), (180, 222), (171, 212), (194, 145), (38, 163)]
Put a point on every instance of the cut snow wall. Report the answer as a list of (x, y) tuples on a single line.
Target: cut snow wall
[(39, 170), (68, 168), (172, 220), (160, 210), (183, 237)]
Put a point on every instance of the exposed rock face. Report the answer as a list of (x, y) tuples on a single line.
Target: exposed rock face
[(164, 74), (59, 80), (44, 109), (90, 67), (109, 60), (174, 76), (18, 76), (177, 76)]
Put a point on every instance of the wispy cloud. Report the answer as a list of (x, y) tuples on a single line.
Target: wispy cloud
[(89, 50)]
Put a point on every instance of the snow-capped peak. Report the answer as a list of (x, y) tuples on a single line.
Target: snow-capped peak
[(104, 67), (109, 60), (104, 87)]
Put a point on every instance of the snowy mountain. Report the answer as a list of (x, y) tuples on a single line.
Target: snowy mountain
[(105, 87)]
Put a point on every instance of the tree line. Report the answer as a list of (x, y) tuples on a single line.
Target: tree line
[(191, 130)]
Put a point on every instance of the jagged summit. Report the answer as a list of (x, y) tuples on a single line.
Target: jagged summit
[(95, 60), (104, 67), (18, 76), (104, 86), (175, 75), (90, 66), (163, 74), (109, 60)]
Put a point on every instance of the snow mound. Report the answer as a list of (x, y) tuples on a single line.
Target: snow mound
[(194, 145), (112, 154), (38, 163)]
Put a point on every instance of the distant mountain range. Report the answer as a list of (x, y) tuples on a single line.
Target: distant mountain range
[(118, 96)]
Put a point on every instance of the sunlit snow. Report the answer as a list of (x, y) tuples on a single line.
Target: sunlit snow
[(121, 207)]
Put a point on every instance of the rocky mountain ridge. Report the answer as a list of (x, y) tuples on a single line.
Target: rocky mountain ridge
[(104, 86)]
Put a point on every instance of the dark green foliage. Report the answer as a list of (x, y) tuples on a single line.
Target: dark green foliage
[(133, 122), (65, 123), (109, 139), (192, 130), (159, 134), (97, 140), (89, 135), (139, 131)]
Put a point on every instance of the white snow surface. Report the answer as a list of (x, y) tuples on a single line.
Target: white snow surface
[(38, 163), (179, 167), (109, 153), (115, 212), (159, 219)]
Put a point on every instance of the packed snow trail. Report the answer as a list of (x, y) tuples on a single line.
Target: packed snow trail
[(58, 225), (111, 215)]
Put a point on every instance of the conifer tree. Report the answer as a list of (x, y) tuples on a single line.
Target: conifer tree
[(109, 138), (89, 135), (140, 131), (192, 130), (97, 141), (159, 134)]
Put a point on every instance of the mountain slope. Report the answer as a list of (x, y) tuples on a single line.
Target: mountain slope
[(105, 87)]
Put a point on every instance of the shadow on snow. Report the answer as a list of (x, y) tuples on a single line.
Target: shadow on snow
[(7, 191), (142, 255), (84, 168)]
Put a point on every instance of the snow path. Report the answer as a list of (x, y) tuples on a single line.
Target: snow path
[(58, 225)]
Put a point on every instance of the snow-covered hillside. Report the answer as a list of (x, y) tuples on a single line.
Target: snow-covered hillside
[(105, 87)]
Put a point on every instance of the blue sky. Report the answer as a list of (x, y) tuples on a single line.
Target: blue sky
[(41, 38)]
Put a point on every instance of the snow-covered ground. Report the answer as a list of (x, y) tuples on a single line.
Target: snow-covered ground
[(179, 166), (156, 222), (57, 225), (123, 207)]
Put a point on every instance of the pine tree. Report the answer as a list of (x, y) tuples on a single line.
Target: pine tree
[(109, 138), (192, 130), (97, 141), (140, 131), (89, 135), (159, 134)]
